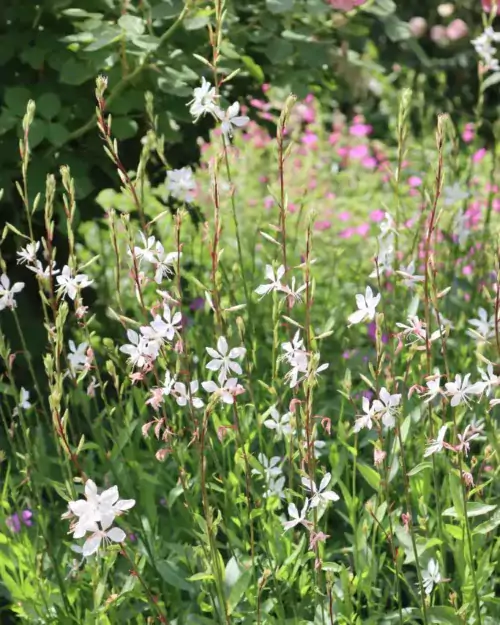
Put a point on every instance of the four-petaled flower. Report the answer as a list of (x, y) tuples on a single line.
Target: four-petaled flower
[(231, 119), (366, 304), (7, 292), (319, 495), (224, 360), (274, 278), (437, 445), (70, 284), (296, 518), (226, 392), (431, 576)]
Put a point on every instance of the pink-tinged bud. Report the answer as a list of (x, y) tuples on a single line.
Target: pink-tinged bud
[(468, 479), (456, 30), (161, 454), (222, 432), (439, 34), (145, 428), (418, 26), (293, 404), (487, 5), (379, 456)]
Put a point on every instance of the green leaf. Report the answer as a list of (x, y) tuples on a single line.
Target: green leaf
[(238, 590), (370, 475), (166, 9), (473, 509), (279, 6), (253, 69), (198, 577), (443, 615), (124, 128), (133, 26), (48, 105), (382, 8), (38, 132), (171, 574), (105, 37), (488, 526), (395, 29), (420, 467), (492, 79), (57, 134), (279, 50), (75, 72), (16, 98)]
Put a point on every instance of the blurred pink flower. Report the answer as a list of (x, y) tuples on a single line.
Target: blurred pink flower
[(418, 26), (360, 130), (414, 181), (487, 5), (322, 225), (370, 162), (439, 34), (479, 155), (377, 215), (358, 151), (457, 29), (468, 133), (345, 5)]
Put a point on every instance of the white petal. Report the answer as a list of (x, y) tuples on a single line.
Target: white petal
[(222, 345), (116, 534), (92, 544)]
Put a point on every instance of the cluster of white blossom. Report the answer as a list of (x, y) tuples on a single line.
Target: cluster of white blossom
[(95, 516), (485, 48)]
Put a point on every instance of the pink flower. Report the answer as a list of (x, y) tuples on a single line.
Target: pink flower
[(345, 5), (418, 26), (322, 225), (363, 229), (468, 133), (487, 5), (360, 130), (370, 162), (378, 215), (456, 30), (359, 152), (414, 181), (479, 155), (345, 216), (439, 34)]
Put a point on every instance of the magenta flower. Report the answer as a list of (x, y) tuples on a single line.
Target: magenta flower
[(345, 5), (16, 521)]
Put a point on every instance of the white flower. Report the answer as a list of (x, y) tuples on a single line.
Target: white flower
[(295, 354), (42, 272), (162, 329), (140, 351), (489, 379), (319, 494), (148, 252), (366, 307), (454, 194), (386, 406), (97, 508), (203, 101), (484, 326), (416, 331), (181, 184), (224, 360), (7, 292), (408, 273), (437, 445), (431, 576), (365, 420), (460, 390), (164, 262), (270, 467), (77, 358), (274, 278), (280, 424), (275, 488), (433, 388), (70, 284), (24, 401), (226, 392), (93, 542), (231, 119), (485, 48), (28, 254), (295, 517), (183, 397), (319, 447)]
